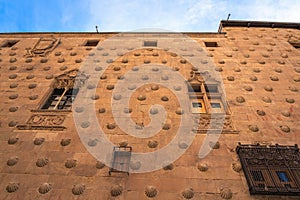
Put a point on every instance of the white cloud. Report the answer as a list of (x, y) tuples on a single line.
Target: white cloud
[(185, 15)]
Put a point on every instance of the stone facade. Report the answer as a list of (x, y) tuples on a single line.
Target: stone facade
[(43, 157)]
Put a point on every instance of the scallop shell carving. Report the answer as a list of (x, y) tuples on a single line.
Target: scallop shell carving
[(101, 110), (12, 123), (150, 191), (285, 129), (38, 141), (111, 126), (230, 78), (286, 113), (154, 87), (145, 77), (13, 96), (164, 98), (152, 144), (135, 165), (236, 166), (12, 140), (41, 162), (183, 145), (253, 128), (141, 97), (226, 193), (268, 88), (70, 163), (293, 89), (248, 88), (278, 70), (188, 193), (12, 161), (296, 78), (44, 188), (203, 167), (168, 167), (153, 111), (65, 141), (165, 77), (78, 189), (117, 97), (261, 112), (95, 97), (116, 190), (240, 99), (177, 87), (103, 77), (179, 111), (12, 187), (78, 60), (99, 165), (274, 78), (127, 110), (166, 126), (267, 99), (110, 87), (93, 142), (219, 69), (253, 78), (214, 145), (123, 144), (290, 100)]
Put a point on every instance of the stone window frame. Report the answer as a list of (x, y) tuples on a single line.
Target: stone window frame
[(150, 43), (211, 44), (9, 43), (206, 97), (91, 42), (71, 80)]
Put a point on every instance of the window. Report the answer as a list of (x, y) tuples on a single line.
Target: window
[(9, 43), (91, 43), (211, 88), (295, 44), (211, 44), (61, 99), (150, 43), (215, 105), (283, 177), (197, 105), (194, 88), (272, 169)]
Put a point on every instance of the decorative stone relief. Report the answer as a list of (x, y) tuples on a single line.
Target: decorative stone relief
[(44, 122), (43, 47), (207, 122)]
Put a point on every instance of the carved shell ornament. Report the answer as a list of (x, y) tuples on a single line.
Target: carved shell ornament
[(150, 191), (78, 189), (12, 187), (44, 188)]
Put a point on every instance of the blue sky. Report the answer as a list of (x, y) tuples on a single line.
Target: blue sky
[(122, 15)]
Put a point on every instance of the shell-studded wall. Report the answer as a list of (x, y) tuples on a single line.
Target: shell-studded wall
[(42, 155)]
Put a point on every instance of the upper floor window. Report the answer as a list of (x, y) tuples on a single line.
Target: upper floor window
[(211, 44), (61, 99), (9, 43), (65, 90), (206, 95), (150, 43), (91, 43)]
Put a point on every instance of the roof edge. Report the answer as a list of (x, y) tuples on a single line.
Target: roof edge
[(266, 24)]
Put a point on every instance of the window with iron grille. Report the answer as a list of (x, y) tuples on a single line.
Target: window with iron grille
[(271, 170), (61, 99)]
